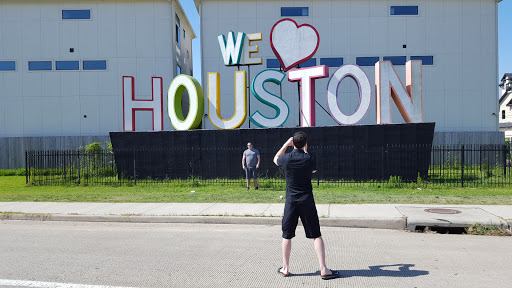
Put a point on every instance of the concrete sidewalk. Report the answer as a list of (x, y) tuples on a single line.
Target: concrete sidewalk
[(382, 216)]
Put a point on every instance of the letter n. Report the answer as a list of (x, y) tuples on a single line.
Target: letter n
[(409, 101), (130, 104)]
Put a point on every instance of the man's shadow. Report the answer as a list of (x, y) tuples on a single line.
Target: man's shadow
[(377, 271)]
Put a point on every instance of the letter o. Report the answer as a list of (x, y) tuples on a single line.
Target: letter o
[(196, 103), (365, 94)]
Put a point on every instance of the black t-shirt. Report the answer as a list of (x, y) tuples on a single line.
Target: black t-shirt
[(298, 167)]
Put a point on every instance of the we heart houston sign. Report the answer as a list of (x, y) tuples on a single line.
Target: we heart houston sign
[(293, 45)]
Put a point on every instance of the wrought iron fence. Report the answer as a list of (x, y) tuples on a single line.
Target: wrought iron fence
[(462, 166)]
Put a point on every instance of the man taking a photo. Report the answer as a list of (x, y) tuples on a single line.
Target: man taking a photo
[(298, 166)]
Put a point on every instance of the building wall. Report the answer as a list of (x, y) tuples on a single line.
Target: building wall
[(136, 38), (459, 89), (508, 111)]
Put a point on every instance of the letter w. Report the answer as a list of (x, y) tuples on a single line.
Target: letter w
[(231, 52)]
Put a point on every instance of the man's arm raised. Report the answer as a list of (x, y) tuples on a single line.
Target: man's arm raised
[(283, 149)]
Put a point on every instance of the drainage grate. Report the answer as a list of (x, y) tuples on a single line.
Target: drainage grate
[(441, 230), (442, 211)]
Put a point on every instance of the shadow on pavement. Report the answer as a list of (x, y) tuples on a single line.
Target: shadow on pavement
[(377, 271)]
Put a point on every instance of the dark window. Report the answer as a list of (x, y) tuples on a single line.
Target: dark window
[(396, 60), (188, 56), (178, 70), (404, 10), (367, 61), (67, 65), (184, 34), (7, 65), (294, 11), (310, 63), (425, 60), (331, 62), (95, 65), (502, 114), (76, 14), (178, 31), (39, 65), (273, 63), (178, 40)]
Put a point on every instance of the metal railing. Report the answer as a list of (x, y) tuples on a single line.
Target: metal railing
[(460, 166)]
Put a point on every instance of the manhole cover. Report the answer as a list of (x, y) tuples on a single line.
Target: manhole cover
[(442, 211)]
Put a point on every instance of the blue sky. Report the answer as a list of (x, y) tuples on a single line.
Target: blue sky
[(504, 37)]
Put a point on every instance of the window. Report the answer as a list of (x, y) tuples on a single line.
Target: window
[(294, 11), (331, 62), (76, 14), (184, 34), (425, 60), (7, 66), (188, 56), (39, 65), (178, 70), (310, 63), (178, 31), (273, 63), (507, 87), (404, 10), (67, 65), (367, 61), (502, 114), (396, 60), (95, 65)]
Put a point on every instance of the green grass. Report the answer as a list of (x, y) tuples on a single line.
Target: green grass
[(13, 188), (479, 229)]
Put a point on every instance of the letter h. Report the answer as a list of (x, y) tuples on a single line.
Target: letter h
[(130, 104)]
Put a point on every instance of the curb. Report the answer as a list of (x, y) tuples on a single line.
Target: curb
[(390, 223)]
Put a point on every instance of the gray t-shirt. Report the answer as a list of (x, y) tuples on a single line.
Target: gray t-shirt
[(251, 157)]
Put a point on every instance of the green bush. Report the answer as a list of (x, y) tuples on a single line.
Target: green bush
[(395, 182)]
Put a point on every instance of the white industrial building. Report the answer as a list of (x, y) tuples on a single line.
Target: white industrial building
[(457, 41), (62, 64)]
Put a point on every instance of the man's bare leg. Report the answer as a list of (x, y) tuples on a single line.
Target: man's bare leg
[(248, 182), (255, 183), (287, 249), (320, 253)]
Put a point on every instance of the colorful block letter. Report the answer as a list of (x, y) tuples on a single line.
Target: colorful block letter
[(214, 110), (196, 102), (365, 94), (259, 91), (130, 104)]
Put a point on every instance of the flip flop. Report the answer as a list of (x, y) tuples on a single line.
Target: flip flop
[(335, 274), (282, 274)]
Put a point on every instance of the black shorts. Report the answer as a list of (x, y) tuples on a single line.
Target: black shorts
[(251, 172), (308, 215)]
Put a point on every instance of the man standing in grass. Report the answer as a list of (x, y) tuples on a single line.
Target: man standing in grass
[(250, 163), (298, 167)]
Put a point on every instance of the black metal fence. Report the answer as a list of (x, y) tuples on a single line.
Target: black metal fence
[(463, 166)]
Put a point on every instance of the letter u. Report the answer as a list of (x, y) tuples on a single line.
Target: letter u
[(214, 109)]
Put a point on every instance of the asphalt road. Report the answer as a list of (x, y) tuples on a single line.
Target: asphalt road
[(77, 254)]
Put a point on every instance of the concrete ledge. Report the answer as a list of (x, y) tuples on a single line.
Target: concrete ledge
[(390, 223), (376, 223)]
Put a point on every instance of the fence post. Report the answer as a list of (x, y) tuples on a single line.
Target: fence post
[(462, 166), (78, 153), (26, 167), (382, 163), (504, 160), (134, 170)]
